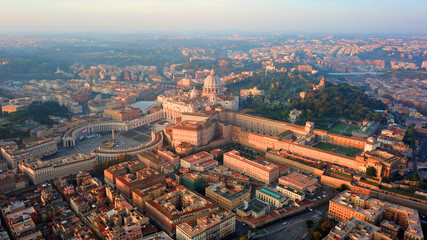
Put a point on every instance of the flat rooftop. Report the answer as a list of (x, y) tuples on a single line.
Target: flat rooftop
[(271, 193), (266, 166), (228, 193), (197, 157), (254, 205), (59, 161)]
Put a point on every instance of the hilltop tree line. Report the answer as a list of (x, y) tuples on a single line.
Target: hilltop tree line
[(39, 112), (341, 101), (277, 85), (30, 68), (278, 88)]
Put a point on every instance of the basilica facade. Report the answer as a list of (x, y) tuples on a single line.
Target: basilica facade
[(176, 102)]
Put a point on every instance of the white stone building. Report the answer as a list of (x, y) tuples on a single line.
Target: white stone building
[(42, 171), (176, 102)]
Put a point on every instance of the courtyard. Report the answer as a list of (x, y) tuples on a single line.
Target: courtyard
[(343, 129), (337, 149)]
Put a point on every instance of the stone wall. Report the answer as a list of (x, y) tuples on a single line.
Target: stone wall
[(270, 127), (345, 141), (337, 182), (262, 143), (293, 164), (420, 205), (289, 214)]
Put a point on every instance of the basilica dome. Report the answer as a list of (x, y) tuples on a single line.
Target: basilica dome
[(212, 84)]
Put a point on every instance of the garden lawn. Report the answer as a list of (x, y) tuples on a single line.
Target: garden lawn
[(349, 151), (325, 146)]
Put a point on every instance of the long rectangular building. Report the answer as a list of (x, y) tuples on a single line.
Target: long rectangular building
[(262, 171), (42, 171), (40, 147)]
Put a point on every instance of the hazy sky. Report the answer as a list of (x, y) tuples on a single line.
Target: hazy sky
[(366, 16)]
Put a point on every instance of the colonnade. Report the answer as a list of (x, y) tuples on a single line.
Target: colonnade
[(71, 136)]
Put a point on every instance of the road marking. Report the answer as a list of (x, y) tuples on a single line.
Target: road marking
[(305, 235), (265, 230)]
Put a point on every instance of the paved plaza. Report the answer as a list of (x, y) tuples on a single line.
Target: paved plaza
[(131, 138)]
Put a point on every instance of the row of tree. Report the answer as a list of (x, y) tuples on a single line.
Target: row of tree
[(321, 231), (409, 137), (99, 168)]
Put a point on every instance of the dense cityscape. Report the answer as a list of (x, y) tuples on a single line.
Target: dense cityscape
[(193, 136)]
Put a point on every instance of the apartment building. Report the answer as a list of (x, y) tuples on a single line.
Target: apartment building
[(228, 195), (140, 196), (40, 147), (208, 228), (374, 211), (179, 206), (201, 161), (262, 171), (143, 178)]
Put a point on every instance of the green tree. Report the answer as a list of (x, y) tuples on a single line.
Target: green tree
[(325, 228), (40, 112), (309, 223), (99, 168), (317, 235), (338, 101), (416, 177), (343, 187), (371, 171), (409, 137)]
